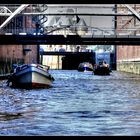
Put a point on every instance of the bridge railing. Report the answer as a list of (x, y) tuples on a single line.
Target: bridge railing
[(17, 31), (72, 30)]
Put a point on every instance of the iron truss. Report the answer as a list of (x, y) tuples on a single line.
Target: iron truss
[(39, 14)]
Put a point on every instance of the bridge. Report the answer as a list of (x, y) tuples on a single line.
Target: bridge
[(66, 25)]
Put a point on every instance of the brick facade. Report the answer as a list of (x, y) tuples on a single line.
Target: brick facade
[(128, 53), (10, 54)]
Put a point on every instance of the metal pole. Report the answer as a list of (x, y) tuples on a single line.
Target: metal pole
[(115, 46), (38, 54)]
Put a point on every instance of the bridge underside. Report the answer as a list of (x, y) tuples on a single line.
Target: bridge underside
[(69, 40)]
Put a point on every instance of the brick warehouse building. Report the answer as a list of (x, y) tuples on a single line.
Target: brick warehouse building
[(128, 57), (19, 54)]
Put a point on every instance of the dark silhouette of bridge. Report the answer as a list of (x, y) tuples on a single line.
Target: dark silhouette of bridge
[(70, 40)]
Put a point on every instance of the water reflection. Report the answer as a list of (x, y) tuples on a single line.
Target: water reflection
[(77, 104)]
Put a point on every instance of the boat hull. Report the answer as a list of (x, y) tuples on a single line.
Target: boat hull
[(102, 71), (85, 67), (31, 77)]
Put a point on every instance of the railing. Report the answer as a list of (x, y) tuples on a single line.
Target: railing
[(72, 30)]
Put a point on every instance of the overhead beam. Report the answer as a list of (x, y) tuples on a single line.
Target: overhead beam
[(80, 5), (66, 14), (68, 40), (64, 53), (17, 11), (82, 14)]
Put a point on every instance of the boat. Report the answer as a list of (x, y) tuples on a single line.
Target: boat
[(30, 76), (85, 67), (102, 68)]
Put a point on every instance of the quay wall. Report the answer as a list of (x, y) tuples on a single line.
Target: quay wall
[(128, 59), (131, 67), (16, 54)]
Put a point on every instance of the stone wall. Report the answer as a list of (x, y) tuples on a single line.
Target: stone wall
[(131, 67), (128, 59)]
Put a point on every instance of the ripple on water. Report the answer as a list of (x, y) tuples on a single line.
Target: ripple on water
[(77, 104)]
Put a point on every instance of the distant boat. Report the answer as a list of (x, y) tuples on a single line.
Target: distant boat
[(85, 67), (102, 69), (30, 76)]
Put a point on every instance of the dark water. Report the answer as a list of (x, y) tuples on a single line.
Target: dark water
[(77, 104)]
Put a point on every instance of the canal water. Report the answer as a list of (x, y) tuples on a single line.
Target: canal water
[(78, 104)]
